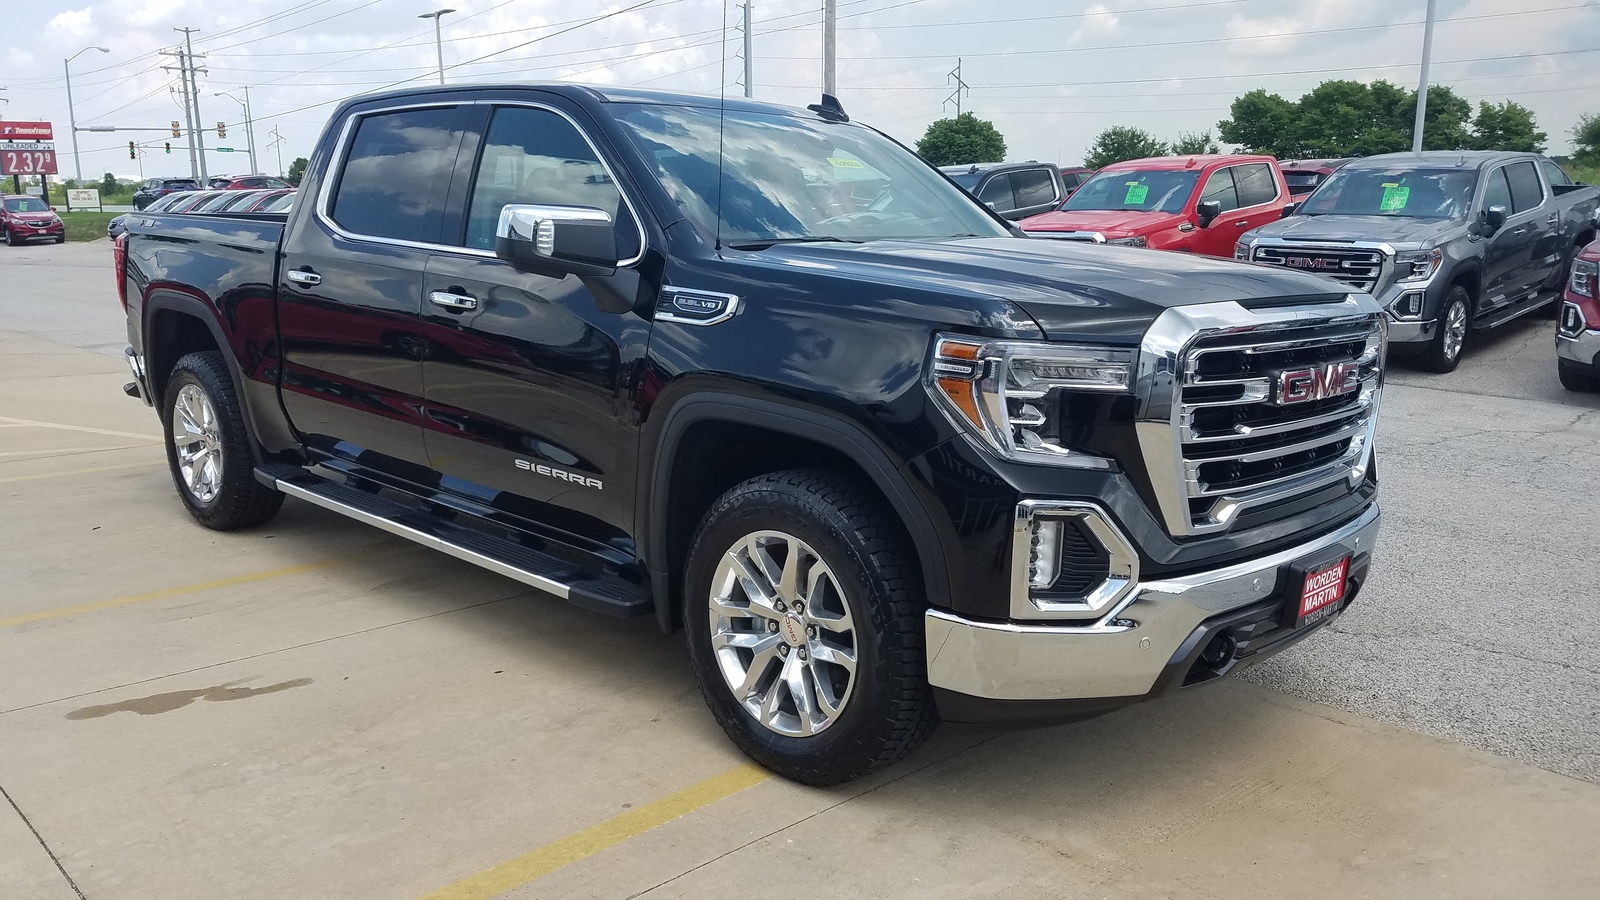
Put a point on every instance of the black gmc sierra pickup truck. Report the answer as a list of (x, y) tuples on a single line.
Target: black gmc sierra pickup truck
[(766, 375)]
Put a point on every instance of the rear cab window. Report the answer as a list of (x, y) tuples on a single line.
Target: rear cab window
[(1033, 187), (1526, 191), (1255, 184)]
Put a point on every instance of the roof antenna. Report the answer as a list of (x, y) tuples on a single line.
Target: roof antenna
[(830, 109)]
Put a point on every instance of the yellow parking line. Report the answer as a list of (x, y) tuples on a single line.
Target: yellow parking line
[(10, 479), (83, 428), (101, 605), (542, 861)]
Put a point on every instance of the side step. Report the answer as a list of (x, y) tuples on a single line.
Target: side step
[(1517, 310), (607, 594)]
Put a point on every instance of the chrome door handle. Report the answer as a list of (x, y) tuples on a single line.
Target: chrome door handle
[(303, 276), (453, 301), (1242, 223)]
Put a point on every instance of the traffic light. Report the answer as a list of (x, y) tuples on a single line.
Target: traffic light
[(175, 131), (169, 146), (132, 153), (222, 129)]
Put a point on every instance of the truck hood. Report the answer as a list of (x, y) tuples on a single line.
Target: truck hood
[(1110, 222), (1074, 291), (1388, 229)]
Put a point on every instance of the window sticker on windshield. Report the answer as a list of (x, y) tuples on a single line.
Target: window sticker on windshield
[(1394, 197), (1137, 191), (840, 162)]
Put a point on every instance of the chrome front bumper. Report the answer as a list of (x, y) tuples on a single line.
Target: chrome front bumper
[(1411, 332), (1583, 349), (1122, 654)]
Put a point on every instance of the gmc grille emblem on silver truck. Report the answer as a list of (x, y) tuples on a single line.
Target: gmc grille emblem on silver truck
[(560, 475), (1305, 385), (1310, 262)]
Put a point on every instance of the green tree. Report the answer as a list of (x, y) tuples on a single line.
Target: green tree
[(1444, 125), (1261, 123), (1189, 144), (1506, 126), (962, 140), (297, 170), (1121, 142), (1586, 140), (108, 185)]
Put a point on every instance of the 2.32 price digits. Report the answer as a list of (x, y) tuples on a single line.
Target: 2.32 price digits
[(27, 162)]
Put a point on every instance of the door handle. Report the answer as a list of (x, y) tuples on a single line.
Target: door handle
[(304, 277), (1242, 223), (449, 300)]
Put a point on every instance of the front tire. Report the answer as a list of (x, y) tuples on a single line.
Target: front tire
[(208, 447), (1455, 321), (1573, 379), (803, 607)]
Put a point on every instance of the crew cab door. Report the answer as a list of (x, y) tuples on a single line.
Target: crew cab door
[(528, 382), (351, 282), (1508, 256), (1219, 237)]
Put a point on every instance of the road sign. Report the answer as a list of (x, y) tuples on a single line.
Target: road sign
[(27, 162), (83, 199), (27, 145), (224, 149), (13, 131)]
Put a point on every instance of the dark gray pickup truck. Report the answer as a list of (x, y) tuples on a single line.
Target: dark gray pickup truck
[(1448, 241)]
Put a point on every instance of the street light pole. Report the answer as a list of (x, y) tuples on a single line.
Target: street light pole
[(1422, 87), (249, 126), (438, 36), (72, 117)]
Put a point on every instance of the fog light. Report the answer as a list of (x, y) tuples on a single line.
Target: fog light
[(1409, 305), (1044, 562), (1572, 323)]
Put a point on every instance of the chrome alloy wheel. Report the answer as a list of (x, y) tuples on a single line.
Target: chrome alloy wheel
[(782, 633), (1455, 330), (197, 435)]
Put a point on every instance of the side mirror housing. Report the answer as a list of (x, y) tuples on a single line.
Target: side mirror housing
[(1290, 210), (556, 240), (1206, 211), (1494, 218)]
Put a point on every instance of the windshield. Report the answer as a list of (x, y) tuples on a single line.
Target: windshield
[(1157, 190), (1407, 193), (26, 205), (966, 179), (184, 184), (1302, 179), (788, 178)]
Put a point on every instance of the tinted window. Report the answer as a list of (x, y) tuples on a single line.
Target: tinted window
[(536, 156), (1255, 184), (1496, 192), (1151, 190), (1070, 180), (966, 179), (388, 174), (279, 204), (185, 184), (1219, 188), (1033, 187), (1407, 193), (1554, 173), (997, 193), (1302, 179), (1526, 192)]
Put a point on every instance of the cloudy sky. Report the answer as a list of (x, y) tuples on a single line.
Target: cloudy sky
[(1049, 73)]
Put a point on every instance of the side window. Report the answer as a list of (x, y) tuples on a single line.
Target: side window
[(537, 156), (997, 193), (1497, 192), (1526, 192), (1255, 184), (1219, 187), (393, 161), (1554, 173), (1033, 187)]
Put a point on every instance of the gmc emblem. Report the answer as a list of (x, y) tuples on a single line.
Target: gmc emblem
[(1305, 385), (1309, 262)]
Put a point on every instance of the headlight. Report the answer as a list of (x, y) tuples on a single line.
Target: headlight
[(1241, 251), (1006, 394), (1138, 241), (1417, 265), (1584, 275)]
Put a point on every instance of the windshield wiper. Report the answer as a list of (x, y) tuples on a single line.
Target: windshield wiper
[(764, 243)]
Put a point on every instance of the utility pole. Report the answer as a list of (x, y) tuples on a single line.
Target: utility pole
[(188, 116), (277, 141), (749, 67), (1422, 87), (194, 94), (830, 38), (955, 96), (438, 36)]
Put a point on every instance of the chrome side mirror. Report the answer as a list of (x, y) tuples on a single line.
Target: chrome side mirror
[(556, 240), (1494, 218)]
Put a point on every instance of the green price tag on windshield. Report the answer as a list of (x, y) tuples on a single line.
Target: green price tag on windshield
[(1136, 194), (1394, 197), (840, 162)]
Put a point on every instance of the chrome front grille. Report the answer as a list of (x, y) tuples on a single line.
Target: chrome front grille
[(1359, 267), (1243, 409)]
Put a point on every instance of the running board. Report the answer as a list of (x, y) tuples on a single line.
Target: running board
[(1499, 317), (607, 594)]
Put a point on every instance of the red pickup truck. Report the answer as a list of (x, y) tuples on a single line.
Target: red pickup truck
[(1195, 204)]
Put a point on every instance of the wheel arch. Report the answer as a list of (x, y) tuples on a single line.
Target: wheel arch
[(686, 475)]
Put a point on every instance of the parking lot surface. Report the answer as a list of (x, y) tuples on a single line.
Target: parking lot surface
[(316, 709)]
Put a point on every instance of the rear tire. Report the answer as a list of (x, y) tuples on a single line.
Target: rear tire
[(803, 607), (208, 447), (1443, 353)]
